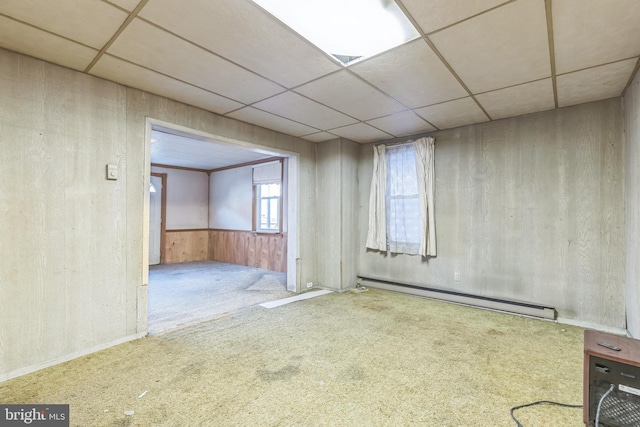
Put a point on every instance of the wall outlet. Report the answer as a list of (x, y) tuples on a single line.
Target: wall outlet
[(456, 276), (309, 285)]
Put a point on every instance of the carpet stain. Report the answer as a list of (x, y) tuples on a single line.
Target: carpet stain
[(355, 373), (284, 374)]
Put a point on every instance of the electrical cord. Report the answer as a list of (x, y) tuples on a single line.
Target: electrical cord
[(597, 423), (548, 402)]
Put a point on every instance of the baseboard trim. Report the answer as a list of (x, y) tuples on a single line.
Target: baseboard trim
[(57, 360), (508, 306), (594, 326)]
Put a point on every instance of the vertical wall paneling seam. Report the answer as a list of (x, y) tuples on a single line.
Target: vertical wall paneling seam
[(124, 25), (552, 51)]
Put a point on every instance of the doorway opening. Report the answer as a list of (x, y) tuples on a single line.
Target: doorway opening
[(208, 242)]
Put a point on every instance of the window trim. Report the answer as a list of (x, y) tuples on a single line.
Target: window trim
[(256, 200)]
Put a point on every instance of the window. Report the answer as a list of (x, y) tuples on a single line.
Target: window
[(402, 201), (268, 207), (267, 190)]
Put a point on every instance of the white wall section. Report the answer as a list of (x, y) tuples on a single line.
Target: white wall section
[(187, 198), (231, 199)]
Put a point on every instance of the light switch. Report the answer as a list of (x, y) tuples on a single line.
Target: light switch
[(112, 172)]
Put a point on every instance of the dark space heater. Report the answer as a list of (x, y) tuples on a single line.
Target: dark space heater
[(611, 368)]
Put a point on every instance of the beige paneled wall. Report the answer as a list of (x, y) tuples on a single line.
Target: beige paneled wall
[(632, 199), (337, 193), (64, 240), (528, 209), (72, 272)]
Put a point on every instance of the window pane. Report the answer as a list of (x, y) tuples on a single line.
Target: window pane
[(273, 214), (404, 220), (268, 206), (403, 207), (264, 211)]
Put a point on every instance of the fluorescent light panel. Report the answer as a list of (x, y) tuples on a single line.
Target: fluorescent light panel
[(349, 30)]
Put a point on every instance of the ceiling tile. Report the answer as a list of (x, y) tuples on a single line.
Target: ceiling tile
[(592, 84), (154, 48), (453, 113), (303, 110), (412, 74), (518, 100), (241, 32), (319, 137), (356, 99), (361, 132), (594, 32), (40, 44), (402, 124), (126, 4), (270, 121), (128, 74), (90, 22), (501, 48), (432, 15)]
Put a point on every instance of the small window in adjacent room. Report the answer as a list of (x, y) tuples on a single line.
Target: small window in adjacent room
[(268, 207), (267, 190)]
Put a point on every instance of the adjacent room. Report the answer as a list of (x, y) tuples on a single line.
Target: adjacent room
[(217, 233), (440, 228)]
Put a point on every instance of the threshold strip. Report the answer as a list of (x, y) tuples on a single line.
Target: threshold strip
[(300, 297)]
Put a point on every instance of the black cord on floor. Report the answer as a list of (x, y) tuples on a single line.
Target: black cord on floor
[(539, 403)]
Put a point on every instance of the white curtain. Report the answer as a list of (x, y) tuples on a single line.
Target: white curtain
[(377, 234), (402, 194), (425, 165)]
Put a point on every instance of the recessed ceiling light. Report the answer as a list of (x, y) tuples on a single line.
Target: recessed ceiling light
[(349, 30)]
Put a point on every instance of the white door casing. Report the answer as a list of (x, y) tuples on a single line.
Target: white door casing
[(155, 220)]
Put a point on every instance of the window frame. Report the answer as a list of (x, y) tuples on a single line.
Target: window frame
[(394, 244), (257, 210)]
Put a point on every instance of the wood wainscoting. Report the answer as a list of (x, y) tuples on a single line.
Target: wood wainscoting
[(262, 250), (186, 246)]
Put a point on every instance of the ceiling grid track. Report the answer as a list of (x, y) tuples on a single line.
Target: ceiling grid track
[(124, 25), (552, 53), (435, 50)]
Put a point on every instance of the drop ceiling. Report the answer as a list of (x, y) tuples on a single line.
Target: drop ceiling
[(475, 60)]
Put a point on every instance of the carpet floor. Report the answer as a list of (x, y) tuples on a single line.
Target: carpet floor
[(374, 358), (188, 293)]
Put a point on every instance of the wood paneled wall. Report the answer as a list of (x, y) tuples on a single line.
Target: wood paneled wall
[(186, 246), (262, 250)]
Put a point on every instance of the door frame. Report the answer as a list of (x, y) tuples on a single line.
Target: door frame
[(163, 212), (292, 197)]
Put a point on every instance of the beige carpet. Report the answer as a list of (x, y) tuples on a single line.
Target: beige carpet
[(355, 359)]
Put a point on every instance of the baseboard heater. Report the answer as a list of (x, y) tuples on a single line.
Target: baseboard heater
[(517, 307)]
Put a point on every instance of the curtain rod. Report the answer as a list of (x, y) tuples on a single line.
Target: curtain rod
[(398, 144)]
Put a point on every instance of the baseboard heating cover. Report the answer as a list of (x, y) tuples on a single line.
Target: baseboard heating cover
[(517, 307)]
